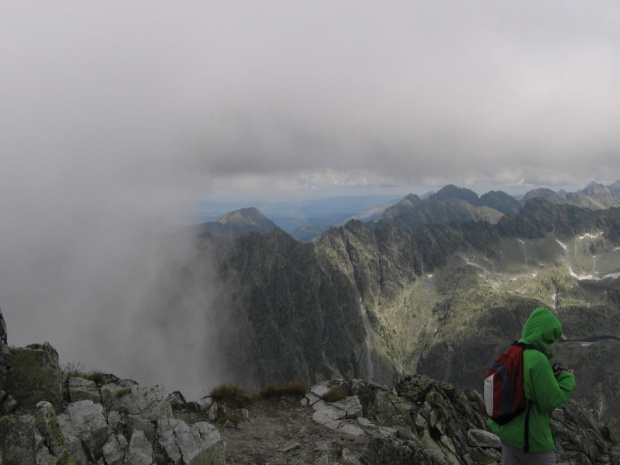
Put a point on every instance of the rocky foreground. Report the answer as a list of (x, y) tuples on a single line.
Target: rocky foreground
[(48, 416)]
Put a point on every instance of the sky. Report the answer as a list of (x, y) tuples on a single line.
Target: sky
[(117, 113)]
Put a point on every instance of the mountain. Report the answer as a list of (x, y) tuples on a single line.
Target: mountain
[(545, 193), (452, 192), (238, 223), (500, 201), (378, 300), (450, 205)]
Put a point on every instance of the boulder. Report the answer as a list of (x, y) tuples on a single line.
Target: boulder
[(148, 402), (197, 444), (35, 375), (49, 429), (140, 450), (83, 389), (481, 438), (115, 449), (85, 427)]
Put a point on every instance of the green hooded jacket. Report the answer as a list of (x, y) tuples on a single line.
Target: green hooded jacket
[(544, 391)]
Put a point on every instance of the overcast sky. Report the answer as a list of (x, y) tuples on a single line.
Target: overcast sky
[(118, 109)]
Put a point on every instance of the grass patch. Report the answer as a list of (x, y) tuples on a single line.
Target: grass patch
[(336, 394), (122, 392), (295, 389), (233, 393), (96, 377)]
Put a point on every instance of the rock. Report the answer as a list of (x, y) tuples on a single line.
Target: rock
[(290, 447), (115, 449), (350, 405), (7, 403), (3, 336), (138, 423), (177, 400), (140, 450), (324, 387), (83, 389), (35, 375), (348, 458), (328, 414), (480, 438), (203, 404), (199, 443), (17, 440), (85, 427), (47, 425), (148, 402), (558, 414)]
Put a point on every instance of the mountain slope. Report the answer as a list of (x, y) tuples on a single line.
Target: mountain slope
[(239, 223)]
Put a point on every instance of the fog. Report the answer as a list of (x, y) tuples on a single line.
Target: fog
[(117, 118)]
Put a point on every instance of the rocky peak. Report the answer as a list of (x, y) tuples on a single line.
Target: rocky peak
[(239, 223), (453, 192)]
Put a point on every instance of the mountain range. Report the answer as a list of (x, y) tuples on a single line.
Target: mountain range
[(437, 286)]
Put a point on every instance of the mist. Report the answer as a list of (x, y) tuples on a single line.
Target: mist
[(118, 118)]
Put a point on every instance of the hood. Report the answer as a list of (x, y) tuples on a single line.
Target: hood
[(541, 329)]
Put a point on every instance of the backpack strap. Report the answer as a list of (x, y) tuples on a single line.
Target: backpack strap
[(526, 429)]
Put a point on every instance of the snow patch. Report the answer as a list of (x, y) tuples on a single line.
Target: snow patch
[(429, 275), (594, 278), (586, 344), (616, 249), (521, 241), (591, 235), (563, 245)]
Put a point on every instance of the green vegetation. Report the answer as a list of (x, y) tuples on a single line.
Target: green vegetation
[(76, 370), (296, 389), (233, 393)]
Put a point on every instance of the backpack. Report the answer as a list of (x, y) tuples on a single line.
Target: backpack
[(504, 390)]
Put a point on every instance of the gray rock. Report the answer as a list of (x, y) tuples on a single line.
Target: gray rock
[(351, 406), (140, 450), (114, 450), (348, 458), (148, 402), (324, 387), (199, 443), (480, 438), (84, 423), (35, 375), (7, 403), (49, 429), (138, 423), (203, 404), (212, 412), (177, 400), (17, 440), (558, 414), (83, 389), (328, 414)]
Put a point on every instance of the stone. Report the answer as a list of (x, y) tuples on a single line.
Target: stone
[(322, 388), (35, 375), (350, 405), (140, 450), (203, 404), (47, 425), (115, 449), (328, 414), (83, 389), (312, 398), (84, 423), (199, 443), (17, 439), (148, 402), (558, 414), (138, 423), (350, 429), (177, 400), (290, 447), (348, 458), (7, 403), (212, 412), (480, 438)]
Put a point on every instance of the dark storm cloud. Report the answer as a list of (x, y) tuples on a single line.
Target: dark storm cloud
[(114, 113)]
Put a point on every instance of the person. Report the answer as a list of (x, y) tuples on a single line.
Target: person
[(545, 390)]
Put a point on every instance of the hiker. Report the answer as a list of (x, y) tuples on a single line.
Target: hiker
[(545, 390)]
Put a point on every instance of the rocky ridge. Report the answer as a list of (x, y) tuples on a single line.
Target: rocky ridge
[(100, 419)]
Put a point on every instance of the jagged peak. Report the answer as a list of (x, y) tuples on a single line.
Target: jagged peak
[(453, 192)]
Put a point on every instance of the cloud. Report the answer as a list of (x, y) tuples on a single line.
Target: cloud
[(116, 113)]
